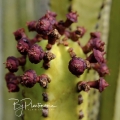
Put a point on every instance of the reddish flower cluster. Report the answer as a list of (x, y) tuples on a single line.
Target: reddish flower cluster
[(47, 27), (95, 60)]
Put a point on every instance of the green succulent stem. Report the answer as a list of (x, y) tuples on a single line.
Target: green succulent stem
[(61, 90)]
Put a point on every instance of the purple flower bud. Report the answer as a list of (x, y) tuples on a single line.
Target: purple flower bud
[(95, 35), (12, 64), (97, 44), (43, 27), (96, 56), (99, 56), (12, 87), (19, 33), (100, 84), (35, 54), (12, 82), (93, 43), (51, 16), (23, 46), (103, 70), (9, 76), (31, 25), (71, 18), (46, 24), (29, 78), (77, 66)]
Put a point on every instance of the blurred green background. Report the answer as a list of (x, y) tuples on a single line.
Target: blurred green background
[(15, 13)]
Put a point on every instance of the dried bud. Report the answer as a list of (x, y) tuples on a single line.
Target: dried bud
[(48, 56), (71, 18), (12, 64), (19, 34), (80, 31), (75, 35), (31, 25), (83, 86), (29, 78), (53, 36), (43, 80), (77, 66), (35, 54), (23, 46), (46, 65)]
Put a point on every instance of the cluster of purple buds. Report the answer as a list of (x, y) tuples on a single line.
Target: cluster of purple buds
[(12, 82), (95, 61), (28, 79), (13, 63), (48, 28)]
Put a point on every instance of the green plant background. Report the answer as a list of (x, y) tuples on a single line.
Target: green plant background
[(14, 14)]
